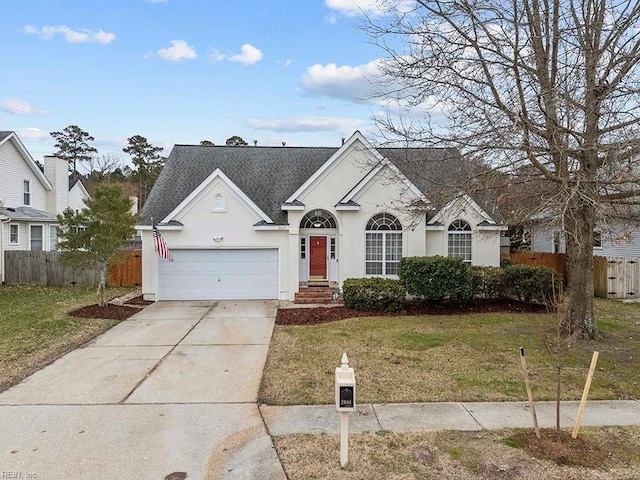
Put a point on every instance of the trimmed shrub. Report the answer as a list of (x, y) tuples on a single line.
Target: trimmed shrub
[(487, 282), (532, 284), (505, 262), (377, 294), (434, 278)]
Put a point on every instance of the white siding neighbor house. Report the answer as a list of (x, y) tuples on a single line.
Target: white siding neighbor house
[(30, 199), (262, 222)]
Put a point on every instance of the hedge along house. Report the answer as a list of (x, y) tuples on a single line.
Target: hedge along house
[(262, 222)]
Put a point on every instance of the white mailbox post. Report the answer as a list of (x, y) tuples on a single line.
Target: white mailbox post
[(345, 403)]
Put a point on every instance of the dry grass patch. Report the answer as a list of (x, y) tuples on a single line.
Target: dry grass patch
[(471, 357), (35, 328), (486, 455)]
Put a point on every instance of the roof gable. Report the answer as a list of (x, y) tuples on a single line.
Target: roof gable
[(26, 156), (217, 174), (460, 203), (319, 174)]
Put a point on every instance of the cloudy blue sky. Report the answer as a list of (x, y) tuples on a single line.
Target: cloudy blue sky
[(180, 71)]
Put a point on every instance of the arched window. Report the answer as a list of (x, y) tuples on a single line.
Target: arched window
[(383, 245), (460, 240), (219, 203), (318, 219)]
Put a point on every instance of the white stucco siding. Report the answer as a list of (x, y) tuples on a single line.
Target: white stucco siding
[(378, 197), (487, 249), (201, 224), (14, 171), (339, 178), (436, 243), (485, 244)]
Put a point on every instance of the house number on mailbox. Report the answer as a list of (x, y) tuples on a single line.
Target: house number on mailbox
[(346, 397)]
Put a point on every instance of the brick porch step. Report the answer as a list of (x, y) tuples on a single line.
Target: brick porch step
[(314, 295)]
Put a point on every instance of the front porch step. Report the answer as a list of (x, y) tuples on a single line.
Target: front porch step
[(307, 295)]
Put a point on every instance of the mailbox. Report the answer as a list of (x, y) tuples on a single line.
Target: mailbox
[(345, 387)]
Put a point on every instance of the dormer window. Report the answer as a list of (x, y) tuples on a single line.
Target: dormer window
[(219, 203), (26, 192)]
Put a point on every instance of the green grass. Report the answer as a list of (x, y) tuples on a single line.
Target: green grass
[(35, 328), (472, 357)]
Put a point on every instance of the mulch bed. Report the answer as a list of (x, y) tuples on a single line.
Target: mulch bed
[(108, 312), (312, 316), (138, 301), (565, 451)]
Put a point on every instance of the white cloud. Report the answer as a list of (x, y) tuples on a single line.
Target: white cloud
[(331, 18), (71, 36), (217, 56), (352, 8), (32, 133), (179, 50), (355, 84), (18, 107), (308, 124), (248, 55)]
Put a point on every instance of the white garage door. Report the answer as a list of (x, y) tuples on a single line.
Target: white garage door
[(219, 275)]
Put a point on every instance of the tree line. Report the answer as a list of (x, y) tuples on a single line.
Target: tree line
[(74, 144)]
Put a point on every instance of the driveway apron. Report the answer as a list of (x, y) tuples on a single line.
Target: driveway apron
[(172, 390)]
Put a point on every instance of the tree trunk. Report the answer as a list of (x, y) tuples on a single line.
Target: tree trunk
[(101, 292), (579, 222)]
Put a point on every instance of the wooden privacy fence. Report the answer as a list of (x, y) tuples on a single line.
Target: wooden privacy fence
[(613, 277), (557, 261), (622, 277), (46, 268)]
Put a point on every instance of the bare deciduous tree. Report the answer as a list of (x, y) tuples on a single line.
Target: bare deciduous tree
[(546, 92)]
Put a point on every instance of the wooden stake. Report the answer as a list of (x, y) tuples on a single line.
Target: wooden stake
[(585, 394), (525, 372)]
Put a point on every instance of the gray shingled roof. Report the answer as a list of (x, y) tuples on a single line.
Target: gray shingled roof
[(28, 214), (269, 175), (4, 134)]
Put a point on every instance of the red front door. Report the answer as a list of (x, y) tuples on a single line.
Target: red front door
[(318, 257)]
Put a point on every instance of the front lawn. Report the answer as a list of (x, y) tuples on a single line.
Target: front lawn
[(484, 455), (35, 328), (471, 357)]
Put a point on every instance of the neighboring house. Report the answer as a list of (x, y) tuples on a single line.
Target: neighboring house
[(260, 222), (31, 199), (610, 241)]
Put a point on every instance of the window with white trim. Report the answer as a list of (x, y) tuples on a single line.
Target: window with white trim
[(383, 245), (597, 239), (303, 248), (318, 219), (219, 203), (26, 192), (14, 234), (459, 240), (53, 238), (35, 238)]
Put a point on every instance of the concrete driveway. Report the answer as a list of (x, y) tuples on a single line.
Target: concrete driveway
[(172, 390)]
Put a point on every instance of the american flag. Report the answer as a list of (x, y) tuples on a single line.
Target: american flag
[(161, 245)]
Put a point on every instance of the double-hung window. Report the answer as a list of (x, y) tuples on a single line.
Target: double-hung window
[(459, 240), (26, 192), (383, 245)]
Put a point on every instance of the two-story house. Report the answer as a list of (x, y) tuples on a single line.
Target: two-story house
[(30, 199)]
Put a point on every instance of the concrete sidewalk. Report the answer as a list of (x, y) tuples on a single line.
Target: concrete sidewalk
[(446, 416)]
